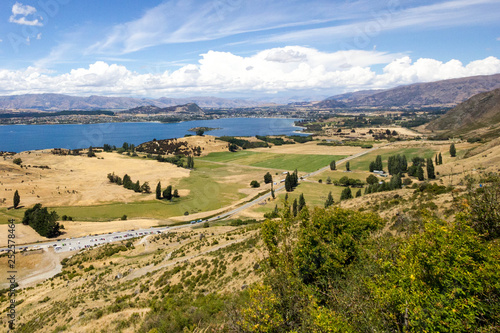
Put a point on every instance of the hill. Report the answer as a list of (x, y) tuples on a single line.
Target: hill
[(445, 93), (479, 116), (54, 102), (190, 108)]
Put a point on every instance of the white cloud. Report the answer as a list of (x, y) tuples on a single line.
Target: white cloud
[(20, 15), (280, 70), (180, 21)]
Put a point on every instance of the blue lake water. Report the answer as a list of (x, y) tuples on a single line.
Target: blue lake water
[(17, 138)]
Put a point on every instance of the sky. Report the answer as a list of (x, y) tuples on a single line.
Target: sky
[(258, 49)]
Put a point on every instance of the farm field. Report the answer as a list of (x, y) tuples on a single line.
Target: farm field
[(301, 162)]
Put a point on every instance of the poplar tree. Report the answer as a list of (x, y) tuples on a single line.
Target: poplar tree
[(158, 191), (453, 151), (329, 200), (17, 199), (302, 202)]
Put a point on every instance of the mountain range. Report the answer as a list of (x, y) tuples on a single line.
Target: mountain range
[(445, 93), (477, 117), (55, 102)]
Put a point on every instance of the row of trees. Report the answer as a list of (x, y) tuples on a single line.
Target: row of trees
[(42, 221), (129, 184), (167, 193), (291, 181)]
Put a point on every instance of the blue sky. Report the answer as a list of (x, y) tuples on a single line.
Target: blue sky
[(237, 48)]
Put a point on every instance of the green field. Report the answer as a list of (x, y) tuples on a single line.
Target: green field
[(363, 163), (301, 162), (314, 193)]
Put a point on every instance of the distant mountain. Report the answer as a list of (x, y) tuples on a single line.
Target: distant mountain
[(479, 116), (446, 93), (189, 108), (55, 102)]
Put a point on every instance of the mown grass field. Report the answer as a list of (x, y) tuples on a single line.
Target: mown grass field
[(301, 162)]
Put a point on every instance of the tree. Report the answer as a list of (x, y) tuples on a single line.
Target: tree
[(232, 147), (348, 166), (372, 166), (420, 173), (344, 181), (91, 153), (378, 163), (137, 187), (17, 161), (328, 180), (346, 194), (17, 199), (396, 182), (440, 159), (453, 151), (358, 193), (430, 169), (158, 191), (302, 202), (190, 162), (436, 161), (272, 193), (167, 193), (42, 221), (294, 207), (146, 188), (200, 131), (268, 178), (127, 182), (333, 165), (176, 194), (288, 183), (254, 184), (329, 200), (371, 179)]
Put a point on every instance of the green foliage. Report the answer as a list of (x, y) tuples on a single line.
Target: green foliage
[(333, 166), (17, 199), (158, 191), (348, 166), (254, 184), (268, 178), (245, 144), (42, 221), (371, 179), (329, 200), (483, 205), (167, 193), (453, 150), (200, 132), (346, 194), (17, 161), (444, 280), (430, 169)]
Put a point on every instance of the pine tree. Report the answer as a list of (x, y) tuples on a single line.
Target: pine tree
[(440, 159), (294, 207), (137, 187), (288, 184), (346, 194), (378, 163), (358, 193), (329, 200), (268, 178), (348, 166), (302, 202), (158, 191), (17, 199), (404, 164), (436, 161), (453, 151), (420, 173), (333, 165), (372, 166), (430, 169), (167, 193)]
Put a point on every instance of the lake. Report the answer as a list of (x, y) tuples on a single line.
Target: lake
[(17, 138)]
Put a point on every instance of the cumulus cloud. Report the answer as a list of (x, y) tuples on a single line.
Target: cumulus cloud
[(278, 70), (20, 14)]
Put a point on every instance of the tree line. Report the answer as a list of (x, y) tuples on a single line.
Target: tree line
[(167, 193), (129, 184), (42, 221)]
